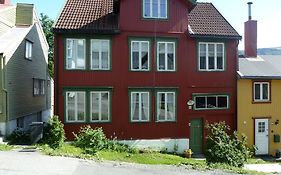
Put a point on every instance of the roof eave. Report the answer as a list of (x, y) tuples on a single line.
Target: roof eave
[(86, 31), (261, 77), (237, 37)]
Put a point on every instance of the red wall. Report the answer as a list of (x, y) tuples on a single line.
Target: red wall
[(187, 79)]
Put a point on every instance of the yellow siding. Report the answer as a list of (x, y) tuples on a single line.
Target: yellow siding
[(247, 110)]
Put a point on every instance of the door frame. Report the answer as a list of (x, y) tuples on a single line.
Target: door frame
[(268, 139), (203, 131)]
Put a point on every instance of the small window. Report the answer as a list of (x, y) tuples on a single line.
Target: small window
[(211, 56), (75, 54), (261, 91), (38, 87), (155, 9), (166, 59), (28, 50), (166, 106), (140, 55), (261, 127), (140, 106), (211, 102), (100, 54), (100, 106), (75, 106)]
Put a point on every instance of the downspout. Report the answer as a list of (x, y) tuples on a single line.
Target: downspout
[(2, 67)]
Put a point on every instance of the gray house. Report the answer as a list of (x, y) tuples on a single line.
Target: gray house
[(25, 86)]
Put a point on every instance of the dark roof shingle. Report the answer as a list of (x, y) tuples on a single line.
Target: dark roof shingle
[(87, 16), (206, 21)]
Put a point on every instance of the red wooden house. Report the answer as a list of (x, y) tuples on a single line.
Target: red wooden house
[(149, 72)]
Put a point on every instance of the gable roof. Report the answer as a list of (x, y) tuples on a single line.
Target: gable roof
[(262, 67), (206, 21), (89, 16)]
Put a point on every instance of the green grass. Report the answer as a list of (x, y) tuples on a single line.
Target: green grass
[(4, 147)]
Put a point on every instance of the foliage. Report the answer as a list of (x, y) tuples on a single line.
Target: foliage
[(224, 148), (47, 24), (54, 134), (4, 147), (19, 137)]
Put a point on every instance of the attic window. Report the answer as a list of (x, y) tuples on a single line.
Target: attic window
[(28, 50), (155, 9)]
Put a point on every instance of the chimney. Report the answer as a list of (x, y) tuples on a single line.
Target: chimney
[(5, 2), (24, 14), (250, 35)]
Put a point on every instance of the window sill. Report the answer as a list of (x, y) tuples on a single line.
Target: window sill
[(200, 70), (261, 102)]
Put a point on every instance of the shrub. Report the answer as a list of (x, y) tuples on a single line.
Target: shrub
[(19, 137), (54, 134), (224, 148)]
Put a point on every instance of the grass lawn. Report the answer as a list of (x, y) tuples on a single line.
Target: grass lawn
[(153, 158), (4, 147)]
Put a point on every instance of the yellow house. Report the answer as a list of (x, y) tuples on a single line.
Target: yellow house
[(259, 102)]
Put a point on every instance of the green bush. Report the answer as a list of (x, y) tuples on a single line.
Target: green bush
[(224, 148), (19, 137), (54, 134)]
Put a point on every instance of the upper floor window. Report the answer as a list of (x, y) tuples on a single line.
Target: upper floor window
[(140, 106), (100, 54), (166, 57), (155, 9), (166, 106), (75, 54), (140, 55), (211, 56), (211, 102), (38, 87), (100, 106), (75, 106), (261, 92), (28, 50)]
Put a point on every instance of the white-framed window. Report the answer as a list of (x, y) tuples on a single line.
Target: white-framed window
[(140, 55), (211, 56), (75, 53), (166, 106), (166, 56), (140, 106), (75, 106), (155, 9), (261, 91), (100, 106), (205, 102), (28, 49), (100, 54), (38, 87)]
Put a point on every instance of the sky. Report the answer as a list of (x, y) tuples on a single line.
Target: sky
[(267, 13)]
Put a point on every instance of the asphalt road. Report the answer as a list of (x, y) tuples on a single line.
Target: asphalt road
[(34, 163)]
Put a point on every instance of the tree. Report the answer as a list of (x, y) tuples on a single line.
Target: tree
[(47, 24)]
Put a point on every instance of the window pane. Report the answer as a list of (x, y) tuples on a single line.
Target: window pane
[(95, 106), (95, 60), (144, 60), (81, 106), (161, 47), (147, 8), (104, 106), (170, 106), (135, 46), (222, 102), (265, 91), (202, 54), (257, 92), (211, 56), (219, 62), (71, 106), (135, 60), (161, 106), (144, 107), (104, 60), (135, 106), (162, 61), (200, 102), (163, 8), (155, 8), (171, 60), (211, 102)]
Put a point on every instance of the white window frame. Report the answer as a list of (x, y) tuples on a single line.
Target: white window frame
[(140, 57), (151, 10), (261, 92), (215, 57), (75, 107), (166, 104), (69, 51), (40, 90), (28, 49), (100, 54), (140, 99), (100, 110), (166, 56), (206, 102)]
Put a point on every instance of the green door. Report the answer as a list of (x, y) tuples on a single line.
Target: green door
[(195, 142)]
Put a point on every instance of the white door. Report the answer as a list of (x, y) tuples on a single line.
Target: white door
[(261, 136)]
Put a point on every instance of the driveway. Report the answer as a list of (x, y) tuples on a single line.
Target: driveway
[(31, 162)]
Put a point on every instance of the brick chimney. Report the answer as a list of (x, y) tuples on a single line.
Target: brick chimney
[(250, 35), (5, 2)]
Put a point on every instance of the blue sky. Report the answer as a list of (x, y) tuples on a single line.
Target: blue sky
[(267, 13)]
